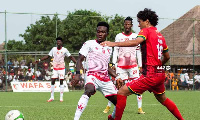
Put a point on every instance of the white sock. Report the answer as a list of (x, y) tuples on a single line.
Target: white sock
[(139, 100), (52, 91), (113, 113), (109, 103), (61, 91), (82, 103)]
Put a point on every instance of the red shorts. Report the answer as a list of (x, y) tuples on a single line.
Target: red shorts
[(153, 82)]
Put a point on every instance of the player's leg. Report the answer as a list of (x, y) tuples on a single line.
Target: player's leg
[(82, 103), (133, 75), (61, 90), (121, 101), (112, 99), (53, 79), (52, 89), (61, 76), (139, 100), (170, 105), (107, 109)]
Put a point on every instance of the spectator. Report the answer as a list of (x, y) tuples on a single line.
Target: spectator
[(16, 78), (45, 66), (37, 73), (12, 72), (10, 65), (197, 81), (47, 77), (16, 63), (21, 75), (29, 74), (40, 78)]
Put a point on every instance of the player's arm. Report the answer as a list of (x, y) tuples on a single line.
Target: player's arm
[(166, 57), (129, 43), (41, 59), (113, 74), (78, 67), (73, 59)]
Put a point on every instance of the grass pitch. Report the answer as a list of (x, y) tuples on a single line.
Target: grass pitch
[(35, 107)]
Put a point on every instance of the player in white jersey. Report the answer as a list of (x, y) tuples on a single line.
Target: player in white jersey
[(58, 53), (97, 78), (127, 60)]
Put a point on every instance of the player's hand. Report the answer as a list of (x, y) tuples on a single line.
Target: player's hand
[(119, 83), (76, 79), (108, 43)]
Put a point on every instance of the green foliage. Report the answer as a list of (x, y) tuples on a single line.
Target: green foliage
[(116, 26), (79, 27), (75, 29)]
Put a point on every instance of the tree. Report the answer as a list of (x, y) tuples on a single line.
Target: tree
[(79, 27), (41, 35), (116, 26)]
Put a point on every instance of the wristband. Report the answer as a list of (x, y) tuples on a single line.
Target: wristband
[(77, 72)]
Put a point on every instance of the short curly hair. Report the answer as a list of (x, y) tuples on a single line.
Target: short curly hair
[(148, 14)]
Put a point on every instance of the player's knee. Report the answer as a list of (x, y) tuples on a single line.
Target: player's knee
[(53, 81), (89, 92), (61, 82)]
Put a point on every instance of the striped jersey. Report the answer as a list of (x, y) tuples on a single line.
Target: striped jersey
[(58, 57), (126, 57), (152, 47), (97, 59)]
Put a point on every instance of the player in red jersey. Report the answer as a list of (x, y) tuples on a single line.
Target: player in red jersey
[(153, 46)]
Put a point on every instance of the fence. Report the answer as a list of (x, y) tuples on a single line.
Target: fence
[(182, 37)]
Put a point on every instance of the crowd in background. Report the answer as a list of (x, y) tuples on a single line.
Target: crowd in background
[(27, 72), (182, 80)]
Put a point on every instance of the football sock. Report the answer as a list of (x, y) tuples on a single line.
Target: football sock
[(139, 100), (113, 113), (82, 103), (109, 103), (120, 106), (172, 108), (61, 90), (52, 91)]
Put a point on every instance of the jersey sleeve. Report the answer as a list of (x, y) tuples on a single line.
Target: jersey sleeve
[(165, 47), (51, 53), (139, 56), (143, 34), (116, 51), (85, 49), (67, 53)]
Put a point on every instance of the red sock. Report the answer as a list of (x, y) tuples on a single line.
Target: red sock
[(172, 108), (120, 106)]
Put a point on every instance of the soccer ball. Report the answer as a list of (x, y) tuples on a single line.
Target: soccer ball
[(14, 115)]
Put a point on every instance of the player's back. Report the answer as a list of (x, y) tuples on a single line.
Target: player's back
[(153, 46)]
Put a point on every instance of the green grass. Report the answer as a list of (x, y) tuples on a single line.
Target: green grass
[(35, 107)]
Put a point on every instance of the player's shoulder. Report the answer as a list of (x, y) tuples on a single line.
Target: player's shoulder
[(134, 35), (90, 41), (119, 34)]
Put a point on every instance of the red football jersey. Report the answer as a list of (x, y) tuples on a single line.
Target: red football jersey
[(152, 47)]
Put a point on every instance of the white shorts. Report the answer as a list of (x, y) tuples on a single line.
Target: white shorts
[(128, 74), (58, 74), (106, 88)]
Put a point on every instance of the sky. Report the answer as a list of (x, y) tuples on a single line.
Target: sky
[(167, 10)]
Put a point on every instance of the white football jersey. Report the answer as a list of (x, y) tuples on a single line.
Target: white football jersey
[(97, 59), (127, 57), (58, 57)]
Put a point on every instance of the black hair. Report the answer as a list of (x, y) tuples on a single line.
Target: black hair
[(59, 38), (104, 24), (148, 14), (129, 19)]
